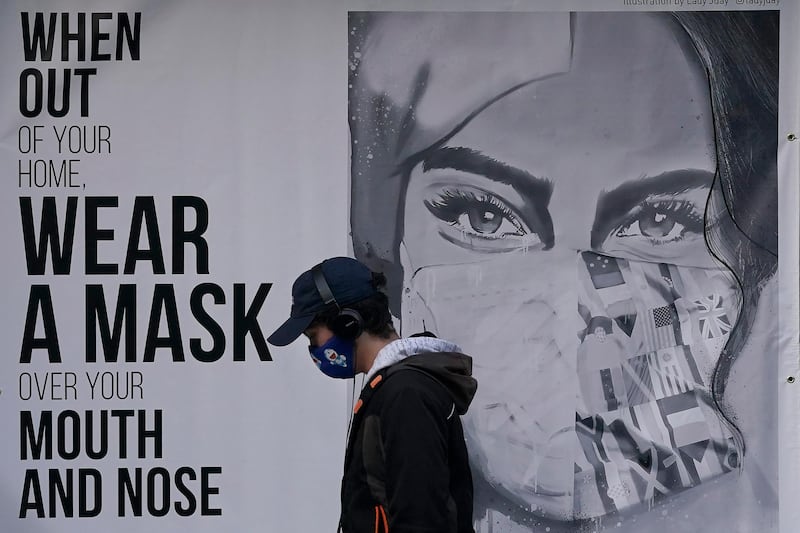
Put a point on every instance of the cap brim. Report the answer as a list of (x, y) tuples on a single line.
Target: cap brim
[(290, 330)]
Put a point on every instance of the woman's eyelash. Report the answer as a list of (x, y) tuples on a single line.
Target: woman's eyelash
[(682, 210), (479, 220), (661, 221), (451, 204)]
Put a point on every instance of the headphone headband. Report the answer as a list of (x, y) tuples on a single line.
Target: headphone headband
[(323, 288), (348, 324)]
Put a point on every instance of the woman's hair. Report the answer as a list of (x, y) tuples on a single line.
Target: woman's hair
[(739, 52)]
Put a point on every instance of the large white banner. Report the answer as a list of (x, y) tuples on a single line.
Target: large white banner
[(596, 200)]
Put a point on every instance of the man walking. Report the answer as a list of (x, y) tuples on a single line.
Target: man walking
[(406, 465)]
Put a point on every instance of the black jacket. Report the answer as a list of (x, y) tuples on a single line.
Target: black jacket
[(406, 467)]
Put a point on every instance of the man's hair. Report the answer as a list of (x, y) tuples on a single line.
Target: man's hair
[(374, 310)]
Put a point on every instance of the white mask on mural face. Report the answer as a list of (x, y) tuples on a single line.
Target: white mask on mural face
[(545, 351), (522, 335)]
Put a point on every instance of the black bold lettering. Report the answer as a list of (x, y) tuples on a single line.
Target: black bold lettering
[(43, 438), (56, 487), (31, 485), (84, 474), (246, 321), (204, 319), (131, 35), (206, 490), (24, 94), (152, 485), (163, 300), (144, 210), (40, 299), (131, 488), (155, 433), (97, 319), (98, 36), (181, 236), (95, 234), (37, 40), (79, 36), (123, 415), (36, 253), (83, 74), (52, 90), (191, 502), (69, 449), (89, 438)]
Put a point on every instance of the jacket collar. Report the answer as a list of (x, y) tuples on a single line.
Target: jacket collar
[(400, 349)]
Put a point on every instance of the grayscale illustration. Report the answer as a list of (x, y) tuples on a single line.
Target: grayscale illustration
[(587, 204)]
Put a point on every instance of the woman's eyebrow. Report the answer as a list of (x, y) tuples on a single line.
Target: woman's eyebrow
[(535, 188), (613, 205)]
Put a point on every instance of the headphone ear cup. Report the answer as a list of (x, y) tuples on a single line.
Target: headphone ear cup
[(348, 324)]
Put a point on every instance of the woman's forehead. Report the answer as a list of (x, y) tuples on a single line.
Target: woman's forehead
[(633, 101), (443, 66)]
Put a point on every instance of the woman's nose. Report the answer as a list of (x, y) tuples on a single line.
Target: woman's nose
[(572, 209)]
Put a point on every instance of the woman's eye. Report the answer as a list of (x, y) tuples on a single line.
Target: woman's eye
[(476, 212), (662, 222), (488, 220), (479, 220)]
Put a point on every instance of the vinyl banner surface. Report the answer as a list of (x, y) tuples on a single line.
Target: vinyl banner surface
[(597, 201)]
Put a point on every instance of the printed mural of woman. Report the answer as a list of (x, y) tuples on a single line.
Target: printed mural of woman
[(586, 203)]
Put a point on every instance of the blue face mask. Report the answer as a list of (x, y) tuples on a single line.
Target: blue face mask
[(335, 358)]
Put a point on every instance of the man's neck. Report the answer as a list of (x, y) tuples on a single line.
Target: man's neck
[(367, 348)]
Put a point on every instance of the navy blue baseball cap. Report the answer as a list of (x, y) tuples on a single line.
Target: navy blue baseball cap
[(349, 281)]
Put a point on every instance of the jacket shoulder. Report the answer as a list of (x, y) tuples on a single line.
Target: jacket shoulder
[(409, 385)]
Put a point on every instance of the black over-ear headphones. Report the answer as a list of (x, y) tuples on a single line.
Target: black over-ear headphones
[(348, 324)]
